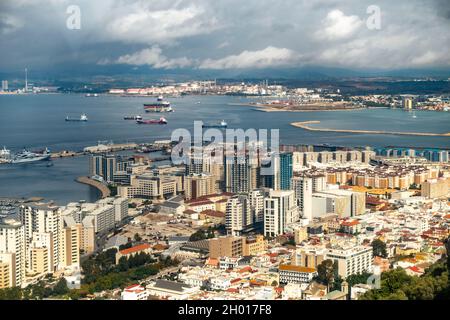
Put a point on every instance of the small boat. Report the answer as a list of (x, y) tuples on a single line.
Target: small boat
[(160, 98), (132, 118), (82, 118), (161, 120), (221, 125)]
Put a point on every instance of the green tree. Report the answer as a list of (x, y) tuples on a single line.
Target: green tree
[(326, 273), (379, 248), (60, 288)]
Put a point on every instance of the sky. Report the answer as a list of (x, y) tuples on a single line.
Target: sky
[(221, 35)]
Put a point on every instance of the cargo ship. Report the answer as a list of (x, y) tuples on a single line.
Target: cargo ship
[(161, 120), (160, 106), (221, 125), (132, 118), (83, 118), (31, 156)]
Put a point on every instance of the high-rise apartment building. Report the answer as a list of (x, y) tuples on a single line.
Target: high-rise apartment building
[(280, 210), (12, 253), (43, 219), (241, 174), (303, 190), (199, 185), (238, 215)]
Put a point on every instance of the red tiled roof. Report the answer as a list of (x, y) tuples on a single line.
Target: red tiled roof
[(350, 223), (246, 269), (134, 249), (199, 203), (134, 287), (415, 269), (235, 280), (214, 213), (159, 247)]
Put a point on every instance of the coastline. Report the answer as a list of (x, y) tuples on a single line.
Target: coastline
[(96, 184), (305, 125), (268, 108)]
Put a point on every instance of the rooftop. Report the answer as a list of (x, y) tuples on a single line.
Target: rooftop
[(290, 267), (134, 249)]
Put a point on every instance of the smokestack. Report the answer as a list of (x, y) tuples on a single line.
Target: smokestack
[(26, 80)]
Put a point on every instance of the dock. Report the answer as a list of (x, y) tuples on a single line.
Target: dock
[(305, 125), (96, 184)]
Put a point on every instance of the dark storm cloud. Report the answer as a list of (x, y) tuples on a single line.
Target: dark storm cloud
[(224, 34)]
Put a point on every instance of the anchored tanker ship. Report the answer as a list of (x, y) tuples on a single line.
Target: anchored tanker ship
[(160, 106), (221, 125), (82, 118), (161, 120)]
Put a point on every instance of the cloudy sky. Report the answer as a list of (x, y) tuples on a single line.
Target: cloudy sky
[(224, 34)]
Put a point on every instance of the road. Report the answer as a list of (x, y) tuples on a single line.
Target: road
[(160, 274)]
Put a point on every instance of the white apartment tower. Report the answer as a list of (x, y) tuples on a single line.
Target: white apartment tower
[(238, 215), (280, 210), (12, 251), (43, 219), (303, 190)]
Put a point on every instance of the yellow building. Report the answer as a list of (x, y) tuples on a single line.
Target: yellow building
[(436, 188), (229, 246), (40, 261), (300, 234), (254, 246), (199, 185), (71, 245), (4, 275), (7, 270)]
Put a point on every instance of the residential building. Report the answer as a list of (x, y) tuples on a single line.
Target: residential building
[(435, 188), (303, 189), (12, 252), (280, 210), (135, 292), (295, 274), (353, 260), (199, 185), (229, 246)]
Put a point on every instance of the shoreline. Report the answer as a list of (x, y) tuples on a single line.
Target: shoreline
[(268, 108), (104, 190), (305, 125)]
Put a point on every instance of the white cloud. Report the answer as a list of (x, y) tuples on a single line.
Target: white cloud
[(9, 24), (146, 25), (152, 57), (337, 25), (268, 57), (427, 58), (223, 45)]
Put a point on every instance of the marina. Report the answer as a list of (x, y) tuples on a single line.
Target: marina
[(70, 147)]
